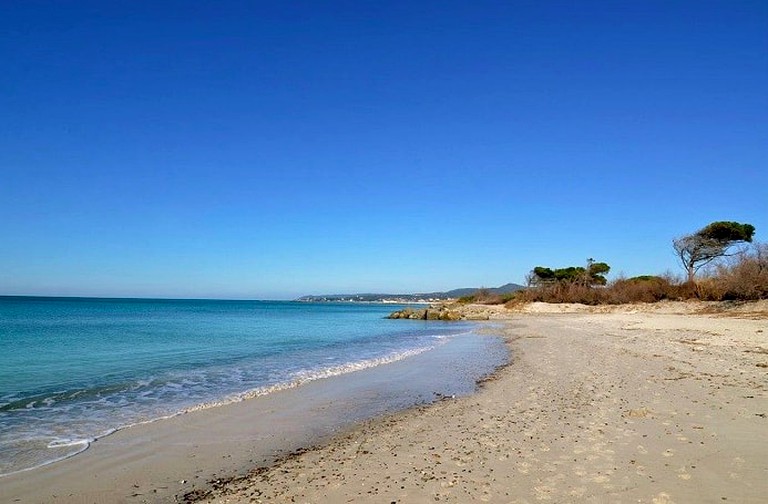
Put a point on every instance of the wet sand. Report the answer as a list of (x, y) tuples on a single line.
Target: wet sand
[(656, 404), (639, 404)]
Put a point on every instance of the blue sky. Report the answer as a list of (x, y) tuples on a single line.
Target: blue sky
[(274, 149)]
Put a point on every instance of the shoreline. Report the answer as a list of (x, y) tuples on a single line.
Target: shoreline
[(160, 461), (655, 404), (639, 403)]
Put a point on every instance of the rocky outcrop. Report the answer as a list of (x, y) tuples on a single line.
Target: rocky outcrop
[(454, 311), (431, 313)]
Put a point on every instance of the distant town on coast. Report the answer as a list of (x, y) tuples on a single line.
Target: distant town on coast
[(427, 297)]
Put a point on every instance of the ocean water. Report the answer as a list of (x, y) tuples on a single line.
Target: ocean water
[(73, 370)]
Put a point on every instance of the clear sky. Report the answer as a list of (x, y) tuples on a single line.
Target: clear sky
[(273, 149)]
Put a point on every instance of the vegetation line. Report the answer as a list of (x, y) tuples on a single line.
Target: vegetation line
[(729, 267)]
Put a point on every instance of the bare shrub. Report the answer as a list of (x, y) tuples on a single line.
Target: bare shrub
[(743, 278), (563, 292), (710, 289), (642, 289)]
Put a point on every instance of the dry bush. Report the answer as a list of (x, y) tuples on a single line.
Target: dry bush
[(563, 292), (516, 300), (709, 289), (744, 278), (485, 296), (495, 299), (645, 289)]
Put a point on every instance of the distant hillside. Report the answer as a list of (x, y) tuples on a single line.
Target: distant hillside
[(504, 289), (407, 298)]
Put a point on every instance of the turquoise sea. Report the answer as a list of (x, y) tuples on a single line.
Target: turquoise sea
[(76, 369)]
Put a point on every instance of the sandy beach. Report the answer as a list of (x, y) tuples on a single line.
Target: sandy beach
[(653, 404)]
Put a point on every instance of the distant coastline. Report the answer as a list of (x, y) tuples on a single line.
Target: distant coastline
[(421, 298)]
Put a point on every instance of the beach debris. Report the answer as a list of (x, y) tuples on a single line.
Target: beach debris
[(638, 413)]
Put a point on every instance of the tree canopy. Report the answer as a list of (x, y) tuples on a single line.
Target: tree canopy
[(593, 274), (709, 243), (725, 232)]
